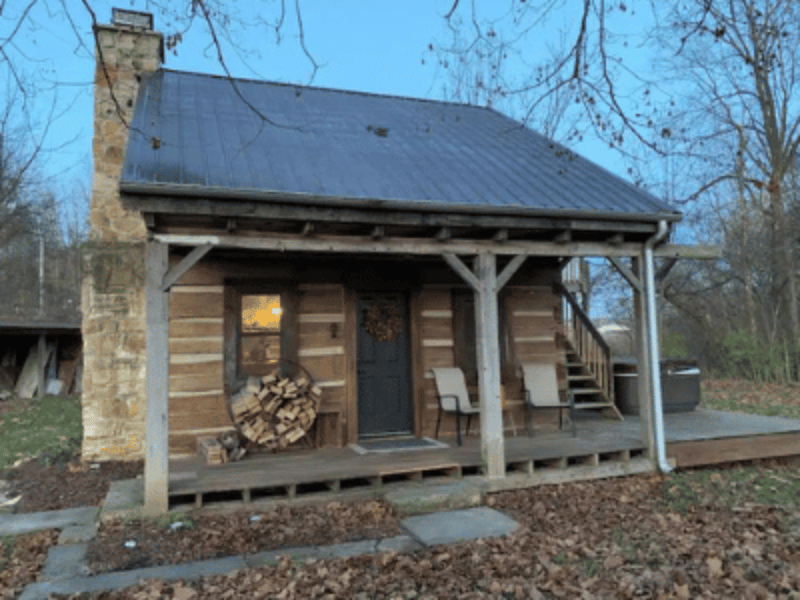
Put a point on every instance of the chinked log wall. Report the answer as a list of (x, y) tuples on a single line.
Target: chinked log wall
[(326, 338), (532, 318), (198, 402)]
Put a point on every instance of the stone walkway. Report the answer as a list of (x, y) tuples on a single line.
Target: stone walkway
[(66, 571)]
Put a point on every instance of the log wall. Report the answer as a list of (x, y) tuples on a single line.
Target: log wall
[(197, 401), (325, 335), (322, 349)]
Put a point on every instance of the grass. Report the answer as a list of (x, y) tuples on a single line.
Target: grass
[(49, 428), (731, 487), (769, 399)]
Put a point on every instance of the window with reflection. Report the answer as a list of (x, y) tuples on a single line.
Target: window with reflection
[(260, 335)]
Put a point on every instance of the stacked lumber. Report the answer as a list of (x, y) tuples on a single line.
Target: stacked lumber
[(275, 411), (220, 449), (211, 450)]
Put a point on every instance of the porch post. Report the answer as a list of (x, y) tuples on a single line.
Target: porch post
[(646, 422), (156, 459), (41, 374), (487, 342)]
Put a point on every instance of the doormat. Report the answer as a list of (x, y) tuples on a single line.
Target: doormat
[(397, 444)]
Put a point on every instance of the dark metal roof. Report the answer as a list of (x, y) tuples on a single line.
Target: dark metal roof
[(193, 134)]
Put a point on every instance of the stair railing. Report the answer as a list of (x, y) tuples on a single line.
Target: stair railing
[(587, 342)]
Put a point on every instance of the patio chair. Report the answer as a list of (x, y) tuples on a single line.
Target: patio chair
[(541, 391), (451, 390)]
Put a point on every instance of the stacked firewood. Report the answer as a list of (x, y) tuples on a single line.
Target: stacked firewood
[(275, 411)]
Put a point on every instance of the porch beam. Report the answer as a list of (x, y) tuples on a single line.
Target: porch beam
[(443, 234), (564, 237), (277, 210), (179, 270), (623, 270), (685, 251), (501, 235), (156, 452), (508, 272), (463, 270), (397, 245), (487, 341)]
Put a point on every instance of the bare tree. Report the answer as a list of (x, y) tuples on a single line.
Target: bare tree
[(740, 58)]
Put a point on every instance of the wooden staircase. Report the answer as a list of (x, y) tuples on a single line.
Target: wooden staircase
[(587, 359)]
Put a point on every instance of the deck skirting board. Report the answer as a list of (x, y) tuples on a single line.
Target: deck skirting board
[(715, 451)]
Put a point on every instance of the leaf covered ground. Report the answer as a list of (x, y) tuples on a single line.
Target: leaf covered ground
[(644, 536), (21, 558)]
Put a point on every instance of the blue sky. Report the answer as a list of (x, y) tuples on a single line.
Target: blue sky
[(361, 45)]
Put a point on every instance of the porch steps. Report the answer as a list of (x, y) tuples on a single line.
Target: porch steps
[(588, 395)]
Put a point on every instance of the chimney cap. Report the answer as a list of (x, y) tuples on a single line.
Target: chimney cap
[(132, 18)]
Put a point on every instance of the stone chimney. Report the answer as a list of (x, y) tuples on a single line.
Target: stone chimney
[(113, 396), (124, 51)]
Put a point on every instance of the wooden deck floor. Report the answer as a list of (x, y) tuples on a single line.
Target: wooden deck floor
[(601, 447)]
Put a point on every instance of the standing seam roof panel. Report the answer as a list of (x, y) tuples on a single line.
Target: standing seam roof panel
[(435, 152)]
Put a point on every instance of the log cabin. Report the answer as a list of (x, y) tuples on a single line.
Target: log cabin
[(240, 224)]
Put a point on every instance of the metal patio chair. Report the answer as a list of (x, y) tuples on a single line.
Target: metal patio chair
[(541, 391), (451, 390)]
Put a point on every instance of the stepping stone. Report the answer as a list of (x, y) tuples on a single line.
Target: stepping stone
[(57, 519), (65, 562), (428, 498), (77, 534), (459, 525), (401, 543), (124, 497)]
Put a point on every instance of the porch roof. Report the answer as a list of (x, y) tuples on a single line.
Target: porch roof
[(215, 140)]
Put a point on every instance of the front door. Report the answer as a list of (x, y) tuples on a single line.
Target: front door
[(384, 398)]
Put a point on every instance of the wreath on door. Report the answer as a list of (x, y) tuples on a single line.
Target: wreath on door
[(382, 321)]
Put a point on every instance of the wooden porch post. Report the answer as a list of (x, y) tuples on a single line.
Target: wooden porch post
[(487, 342), (42, 374), (156, 461), (646, 424)]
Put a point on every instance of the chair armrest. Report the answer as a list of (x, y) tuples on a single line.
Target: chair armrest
[(457, 399)]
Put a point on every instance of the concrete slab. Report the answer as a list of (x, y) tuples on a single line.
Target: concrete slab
[(124, 497), (400, 543), (65, 562), (77, 534), (428, 498), (58, 519), (347, 549), (272, 557), (459, 525), (123, 579)]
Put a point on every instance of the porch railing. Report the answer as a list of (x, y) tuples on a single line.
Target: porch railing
[(587, 343)]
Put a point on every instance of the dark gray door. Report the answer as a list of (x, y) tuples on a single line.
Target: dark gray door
[(384, 398)]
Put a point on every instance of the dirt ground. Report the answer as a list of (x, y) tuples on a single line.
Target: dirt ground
[(65, 485), (197, 536)]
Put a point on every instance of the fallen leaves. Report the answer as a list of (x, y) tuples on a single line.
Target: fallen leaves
[(21, 558)]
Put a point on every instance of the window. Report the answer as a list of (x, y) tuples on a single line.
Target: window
[(260, 339), (464, 333)]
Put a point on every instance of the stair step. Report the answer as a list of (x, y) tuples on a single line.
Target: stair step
[(580, 377), (587, 405), (586, 390)]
